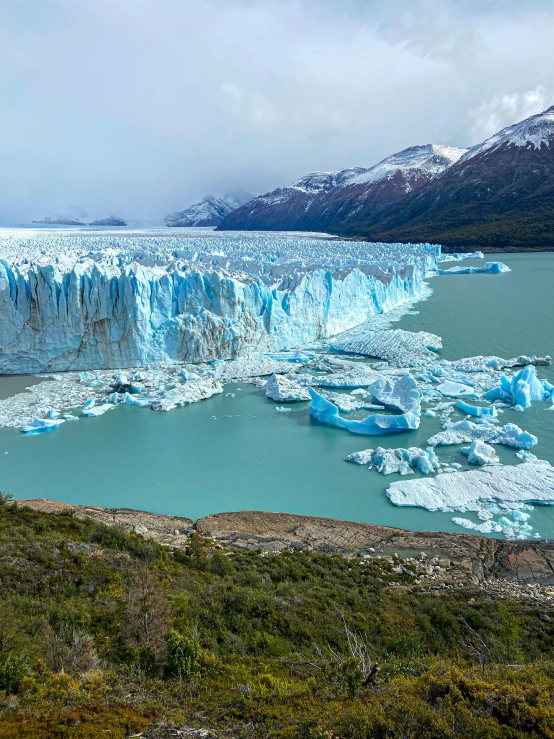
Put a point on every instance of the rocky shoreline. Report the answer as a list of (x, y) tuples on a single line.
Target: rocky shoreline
[(516, 569)]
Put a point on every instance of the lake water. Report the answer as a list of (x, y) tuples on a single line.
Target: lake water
[(233, 453)]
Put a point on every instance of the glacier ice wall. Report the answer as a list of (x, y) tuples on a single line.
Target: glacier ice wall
[(71, 302)]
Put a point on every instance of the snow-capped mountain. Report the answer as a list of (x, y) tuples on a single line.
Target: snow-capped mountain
[(290, 208), (208, 212), (499, 193), (322, 201)]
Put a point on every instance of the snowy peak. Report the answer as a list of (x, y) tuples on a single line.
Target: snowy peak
[(318, 181), (532, 132), (210, 211), (425, 161)]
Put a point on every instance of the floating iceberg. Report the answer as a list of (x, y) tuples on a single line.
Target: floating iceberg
[(400, 348), (401, 461), (402, 394), (97, 410), (522, 389), (457, 390), (464, 432), (189, 392), (358, 376), (129, 301), (348, 403), (477, 411), (283, 390), (480, 453), (40, 425), (494, 268), (529, 482), (251, 365), (376, 425)]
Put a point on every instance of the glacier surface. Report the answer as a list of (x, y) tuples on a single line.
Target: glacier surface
[(95, 301)]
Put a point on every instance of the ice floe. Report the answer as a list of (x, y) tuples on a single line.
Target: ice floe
[(283, 390), (464, 432), (189, 392), (480, 453), (491, 267), (529, 482), (401, 461), (457, 390), (400, 348)]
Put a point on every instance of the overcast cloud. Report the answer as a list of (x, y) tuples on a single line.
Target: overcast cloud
[(140, 107)]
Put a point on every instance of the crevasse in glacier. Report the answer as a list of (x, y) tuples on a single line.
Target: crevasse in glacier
[(98, 301)]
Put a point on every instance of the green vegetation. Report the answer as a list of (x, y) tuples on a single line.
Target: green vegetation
[(103, 633), (529, 223)]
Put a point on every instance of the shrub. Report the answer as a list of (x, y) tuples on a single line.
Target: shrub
[(182, 654), (12, 672)]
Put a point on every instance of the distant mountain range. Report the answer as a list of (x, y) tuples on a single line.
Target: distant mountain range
[(63, 221), (497, 194), (208, 212)]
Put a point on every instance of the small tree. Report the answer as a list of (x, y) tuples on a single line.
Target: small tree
[(12, 672), (354, 664), (182, 654)]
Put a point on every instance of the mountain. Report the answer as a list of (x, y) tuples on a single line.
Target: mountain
[(208, 212), (60, 221), (293, 208), (110, 221), (499, 194), (323, 201)]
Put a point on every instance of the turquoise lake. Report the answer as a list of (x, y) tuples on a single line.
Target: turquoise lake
[(232, 453)]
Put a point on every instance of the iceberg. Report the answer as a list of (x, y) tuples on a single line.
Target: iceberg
[(41, 425), (189, 392), (494, 268), (457, 390), (283, 390), (97, 410), (400, 461), (522, 389), (402, 394), (358, 376), (477, 411), (529, 482), (400, 348), (464, 432), (70, 302), (376, 425), (480, 453)]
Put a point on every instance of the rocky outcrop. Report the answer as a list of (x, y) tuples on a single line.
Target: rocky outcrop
[(519, 568)]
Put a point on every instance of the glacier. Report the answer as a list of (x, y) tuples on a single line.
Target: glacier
[(99, 301)]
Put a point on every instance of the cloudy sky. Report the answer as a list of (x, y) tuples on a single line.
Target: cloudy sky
[(140, 107)]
